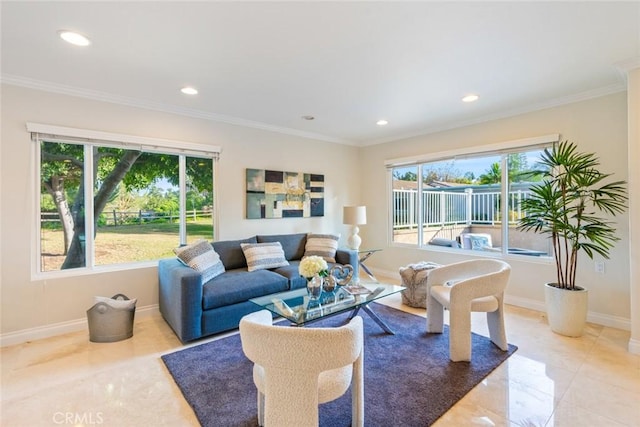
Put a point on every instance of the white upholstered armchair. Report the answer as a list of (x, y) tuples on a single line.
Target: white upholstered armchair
[(463, 287), (295, 369)]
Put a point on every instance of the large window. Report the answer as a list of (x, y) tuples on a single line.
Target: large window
[(465, 201), (104, 202)]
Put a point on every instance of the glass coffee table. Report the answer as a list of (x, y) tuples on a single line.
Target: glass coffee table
[(299, 309)]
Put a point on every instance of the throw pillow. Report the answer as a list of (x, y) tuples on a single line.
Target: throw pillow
[(292, 244), (479, 243), (322, 245), (201, 257), (262, 256)]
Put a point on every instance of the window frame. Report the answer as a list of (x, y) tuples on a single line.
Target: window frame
[(89, 139), (502, 149)]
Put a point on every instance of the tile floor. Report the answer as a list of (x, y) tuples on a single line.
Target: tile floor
[(550, 381)]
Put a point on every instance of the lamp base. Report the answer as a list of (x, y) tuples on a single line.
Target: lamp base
[(354, 241)]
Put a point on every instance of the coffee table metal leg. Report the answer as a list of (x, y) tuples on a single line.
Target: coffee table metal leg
[(374, 316), (378, 320), (367, 254), (364, 267)]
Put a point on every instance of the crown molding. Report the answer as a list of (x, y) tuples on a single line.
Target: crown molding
[(628, 64), (156, 106), (625, 67), (570, 99), (150, 105)]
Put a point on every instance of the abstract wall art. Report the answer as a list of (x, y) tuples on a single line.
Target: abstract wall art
[(278, 194)]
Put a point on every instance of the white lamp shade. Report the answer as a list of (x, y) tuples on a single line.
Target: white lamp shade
[(354, 215)]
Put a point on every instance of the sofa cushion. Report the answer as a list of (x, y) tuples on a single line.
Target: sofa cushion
[(201, 257), (262, 256), (231, 253), (239, 285), (322, 245), (292, 274), (292, 244)]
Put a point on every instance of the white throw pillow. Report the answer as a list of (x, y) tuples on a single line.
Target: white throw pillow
[(322, 245), (262, 256), (479, 242), (201, 257)]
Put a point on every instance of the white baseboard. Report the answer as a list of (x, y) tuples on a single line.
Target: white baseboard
[(609, 320), (531, 304), (634, 346), (47, 331), (378, 272), (40, 332), (592, 317)]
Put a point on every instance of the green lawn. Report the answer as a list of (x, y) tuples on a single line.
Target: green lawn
[(126, 243)]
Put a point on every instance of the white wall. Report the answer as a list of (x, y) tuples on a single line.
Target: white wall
[(597, 125), (633, 107), (46, 306), (353, 176)]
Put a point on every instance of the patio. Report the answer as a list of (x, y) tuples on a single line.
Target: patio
[(448, 213)]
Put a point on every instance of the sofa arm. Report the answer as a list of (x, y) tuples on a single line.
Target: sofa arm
[(180, 298), (348, 256)]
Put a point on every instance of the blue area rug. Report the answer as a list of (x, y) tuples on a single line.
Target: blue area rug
[(409, 379)]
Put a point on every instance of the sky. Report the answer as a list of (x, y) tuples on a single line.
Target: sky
[(476, 165)]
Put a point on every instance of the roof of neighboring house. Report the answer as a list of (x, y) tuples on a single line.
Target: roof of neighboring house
[(399, 184)]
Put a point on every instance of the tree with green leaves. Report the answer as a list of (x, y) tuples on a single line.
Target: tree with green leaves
[(491, 176), (407, 176), (62, 170), (63, 173), (517, 166), (442, 173)]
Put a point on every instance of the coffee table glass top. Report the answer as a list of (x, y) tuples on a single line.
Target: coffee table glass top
[(298, 308)]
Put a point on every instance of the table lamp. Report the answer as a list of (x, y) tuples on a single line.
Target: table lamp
[(354, 215)]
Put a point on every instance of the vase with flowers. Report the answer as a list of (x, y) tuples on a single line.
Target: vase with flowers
[(314, 269)]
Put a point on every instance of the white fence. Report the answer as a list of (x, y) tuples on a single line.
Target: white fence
[(451, 207), (114, 218)]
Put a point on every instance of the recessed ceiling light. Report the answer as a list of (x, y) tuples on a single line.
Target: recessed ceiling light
[(470, 98), (74, 38), (308, 118), (189, 90), (382, 122)]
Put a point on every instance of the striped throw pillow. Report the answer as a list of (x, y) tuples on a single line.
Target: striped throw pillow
[(262, 256), (201, 257), (322, 245)]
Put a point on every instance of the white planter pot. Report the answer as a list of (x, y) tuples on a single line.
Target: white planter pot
[(566, 310)]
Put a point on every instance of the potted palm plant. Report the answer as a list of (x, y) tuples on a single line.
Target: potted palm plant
[(572, 206)]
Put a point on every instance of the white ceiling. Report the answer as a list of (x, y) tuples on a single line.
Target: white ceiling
[(266, 64)]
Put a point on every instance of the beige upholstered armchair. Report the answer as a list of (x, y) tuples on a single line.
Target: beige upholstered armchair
[(295, 369), (463, 287)]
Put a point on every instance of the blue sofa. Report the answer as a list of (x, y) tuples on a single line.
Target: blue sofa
[(195, 310)]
